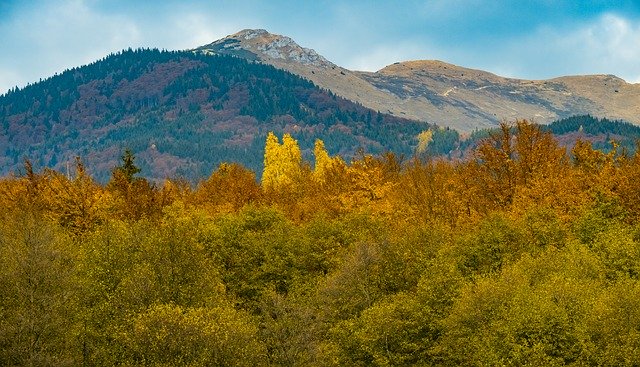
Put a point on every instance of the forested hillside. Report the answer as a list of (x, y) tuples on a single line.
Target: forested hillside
[(524, 254), (182, 114), (602, 133)]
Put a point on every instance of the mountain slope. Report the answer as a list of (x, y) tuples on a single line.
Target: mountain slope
[(442, 93), (182, 114)]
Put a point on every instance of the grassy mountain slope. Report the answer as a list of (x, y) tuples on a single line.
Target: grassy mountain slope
[(445, 94)]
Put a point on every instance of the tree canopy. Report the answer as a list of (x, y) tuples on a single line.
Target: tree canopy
[(523, 254)]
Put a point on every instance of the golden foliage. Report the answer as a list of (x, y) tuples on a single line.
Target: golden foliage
[(282, 162)]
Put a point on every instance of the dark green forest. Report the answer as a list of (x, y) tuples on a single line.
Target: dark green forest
[(182, 113)]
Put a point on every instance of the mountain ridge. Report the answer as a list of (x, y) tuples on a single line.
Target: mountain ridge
[(184, 112), (438, 92)]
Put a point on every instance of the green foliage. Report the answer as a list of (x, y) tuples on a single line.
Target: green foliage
[(397, 331), (612, 326), (38, 307), (128, 168), (590, 125), (529, 314), (495, 242), (166, 335)]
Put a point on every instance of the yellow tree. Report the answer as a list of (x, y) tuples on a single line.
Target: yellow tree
[(424, 138), (282, 162), (543, 175), (324, 162), (78, 203), (598, 172), (511, 163), (538, 154), (372, 182)]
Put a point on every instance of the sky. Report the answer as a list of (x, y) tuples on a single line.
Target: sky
[(528, 39)]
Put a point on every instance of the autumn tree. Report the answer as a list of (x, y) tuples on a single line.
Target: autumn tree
[(282, 162), (77, 203), (496, 157), (322, 160), (228, 189), (424, 139), (510, 162)]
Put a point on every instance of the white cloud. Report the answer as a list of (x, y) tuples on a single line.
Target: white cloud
[(190, 29), (608, 45), (47, 36), (53, 36)]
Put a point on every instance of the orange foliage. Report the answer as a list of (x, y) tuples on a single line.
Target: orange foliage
[(229, 188)]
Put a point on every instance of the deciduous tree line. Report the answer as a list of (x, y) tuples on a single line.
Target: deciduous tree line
[(525, 254)]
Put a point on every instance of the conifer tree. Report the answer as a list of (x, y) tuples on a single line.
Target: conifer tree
[(128, 167)]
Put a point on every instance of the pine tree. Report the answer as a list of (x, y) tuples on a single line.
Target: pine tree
[(128, 167)]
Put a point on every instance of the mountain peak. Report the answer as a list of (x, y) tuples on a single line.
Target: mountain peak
[(419, 68), (259, 44), (248, 34)]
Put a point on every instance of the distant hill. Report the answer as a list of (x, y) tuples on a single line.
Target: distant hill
[(442, 93), (600, 132), (182, 113)]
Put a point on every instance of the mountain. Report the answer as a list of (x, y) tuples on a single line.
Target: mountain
[(182, 113), (441, 93)]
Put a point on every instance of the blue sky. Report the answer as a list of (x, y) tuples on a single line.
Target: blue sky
[(531, 39)]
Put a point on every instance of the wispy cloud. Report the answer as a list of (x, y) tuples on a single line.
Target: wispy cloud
[(610, 44), (50, 38), (53, 36)]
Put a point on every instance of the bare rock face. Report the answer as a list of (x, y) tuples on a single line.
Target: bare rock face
[(267, 47), (441, 93)]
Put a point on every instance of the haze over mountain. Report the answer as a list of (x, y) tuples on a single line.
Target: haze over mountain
[(441, 93)]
